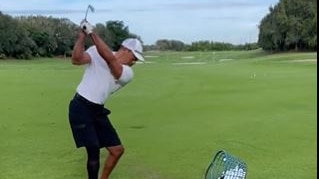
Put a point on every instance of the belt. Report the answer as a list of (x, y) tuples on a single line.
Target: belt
[(83, 99)]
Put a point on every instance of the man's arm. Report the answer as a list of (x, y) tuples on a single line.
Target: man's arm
[(80, 57), (104, 51)]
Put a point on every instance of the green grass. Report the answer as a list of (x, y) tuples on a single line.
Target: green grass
[(172, 118)]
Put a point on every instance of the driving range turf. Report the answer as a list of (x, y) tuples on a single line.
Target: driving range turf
[(179, 110)]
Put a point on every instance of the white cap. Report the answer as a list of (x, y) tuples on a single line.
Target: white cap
[(135, 46)]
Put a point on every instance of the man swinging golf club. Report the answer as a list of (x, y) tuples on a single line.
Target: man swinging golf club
[(105, 73)]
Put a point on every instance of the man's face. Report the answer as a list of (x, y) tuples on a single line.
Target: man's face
[(127, 56)]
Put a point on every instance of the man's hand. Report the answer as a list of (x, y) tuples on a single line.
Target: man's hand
[(81, 34), (86, 27)]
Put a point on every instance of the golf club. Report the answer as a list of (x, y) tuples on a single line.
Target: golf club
[(91, 8)]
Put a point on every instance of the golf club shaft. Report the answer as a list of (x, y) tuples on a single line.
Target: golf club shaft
[(86, 13)]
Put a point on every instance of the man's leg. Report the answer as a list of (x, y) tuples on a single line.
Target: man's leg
[(114, 156), (93, 162)]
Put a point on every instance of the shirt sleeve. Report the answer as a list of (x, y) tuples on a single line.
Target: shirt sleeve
[(92, 51), (126, 76)]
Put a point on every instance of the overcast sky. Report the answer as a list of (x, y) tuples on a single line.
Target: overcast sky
[(233, 21)]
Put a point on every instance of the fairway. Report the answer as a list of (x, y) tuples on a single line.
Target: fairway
[(180, 109)]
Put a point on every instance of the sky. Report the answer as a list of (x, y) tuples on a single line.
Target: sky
[(229, 21)]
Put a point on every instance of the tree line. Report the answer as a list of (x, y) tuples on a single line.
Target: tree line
[(39, 36), (205, 45), (289, 25)]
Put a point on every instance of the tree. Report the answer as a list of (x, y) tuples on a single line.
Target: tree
[(291, 24), (162, 44), (65, 32), (114, 33), (52, 36), (15, 41)]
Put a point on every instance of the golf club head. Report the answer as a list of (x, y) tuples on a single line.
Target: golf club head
[(91, 8)]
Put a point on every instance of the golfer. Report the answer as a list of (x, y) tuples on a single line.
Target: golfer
[(105, 72)]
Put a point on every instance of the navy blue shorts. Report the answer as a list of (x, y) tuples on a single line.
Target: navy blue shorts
[(90, 124)]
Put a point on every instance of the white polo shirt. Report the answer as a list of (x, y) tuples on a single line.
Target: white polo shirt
[(98, 83)]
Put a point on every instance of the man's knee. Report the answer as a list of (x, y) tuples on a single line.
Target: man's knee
[(116, 151)]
